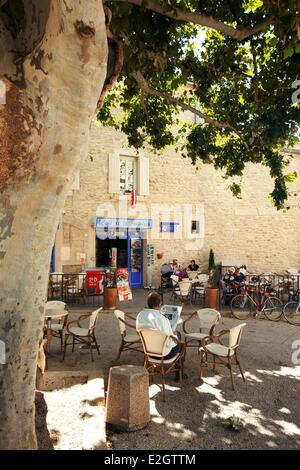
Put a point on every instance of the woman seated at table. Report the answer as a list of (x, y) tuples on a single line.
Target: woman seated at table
[(176, 268), (193, 266)]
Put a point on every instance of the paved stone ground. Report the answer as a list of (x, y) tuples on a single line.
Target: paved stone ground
[(195, 416)]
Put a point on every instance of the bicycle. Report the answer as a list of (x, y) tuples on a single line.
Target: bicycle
[(291, 310), (244, 305)]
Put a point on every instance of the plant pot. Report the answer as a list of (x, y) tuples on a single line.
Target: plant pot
[(211, 297), (110, 298)]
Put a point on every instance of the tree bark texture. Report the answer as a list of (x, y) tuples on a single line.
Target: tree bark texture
[(51, 99)]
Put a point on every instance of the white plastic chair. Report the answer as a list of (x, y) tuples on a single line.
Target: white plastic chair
[(129, 341), (221, 353)]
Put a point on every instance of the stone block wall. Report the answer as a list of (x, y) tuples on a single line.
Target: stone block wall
[(248, 229)]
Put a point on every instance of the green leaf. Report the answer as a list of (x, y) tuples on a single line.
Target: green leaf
[(252, 5), (288, 52), (291, 177)]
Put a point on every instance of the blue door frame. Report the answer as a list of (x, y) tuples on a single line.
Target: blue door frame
[(135, 277), (52, 262)]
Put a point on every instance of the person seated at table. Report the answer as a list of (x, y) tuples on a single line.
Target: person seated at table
[(239, 277), (193, 266), (229, 288), (177, 270), (166, 270), (229, 277), (151, 318), (175, 266)]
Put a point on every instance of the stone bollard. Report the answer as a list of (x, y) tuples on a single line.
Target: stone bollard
[(127, 404)]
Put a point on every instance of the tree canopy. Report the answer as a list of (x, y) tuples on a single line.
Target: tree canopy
[(234, 63)]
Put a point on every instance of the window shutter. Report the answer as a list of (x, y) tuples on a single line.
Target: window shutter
[(114, 173), (143, 176)]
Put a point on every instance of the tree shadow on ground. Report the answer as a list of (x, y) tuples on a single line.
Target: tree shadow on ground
[(45, 442), (196, 416)]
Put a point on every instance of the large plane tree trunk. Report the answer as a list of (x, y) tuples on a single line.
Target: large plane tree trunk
[(54, 69)]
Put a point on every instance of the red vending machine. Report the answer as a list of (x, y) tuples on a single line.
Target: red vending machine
[(95, 281)]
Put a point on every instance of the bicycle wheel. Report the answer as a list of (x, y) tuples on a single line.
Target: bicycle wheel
[(291, 313), (273, 308), (241, 307)]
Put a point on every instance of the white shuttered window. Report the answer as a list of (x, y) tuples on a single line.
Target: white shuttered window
[(128, 171)]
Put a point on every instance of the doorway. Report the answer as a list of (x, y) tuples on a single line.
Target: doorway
[(129, 255), (103, 252)]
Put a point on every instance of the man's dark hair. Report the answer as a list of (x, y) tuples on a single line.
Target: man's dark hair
[(153, 300)]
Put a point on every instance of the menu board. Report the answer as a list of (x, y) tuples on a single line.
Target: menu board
[(123, 286)]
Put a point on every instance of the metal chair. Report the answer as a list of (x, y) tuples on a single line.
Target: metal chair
[(82, 335), (129, 341), (154, 342), (222, 354)]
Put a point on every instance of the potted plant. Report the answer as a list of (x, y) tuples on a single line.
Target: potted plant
[(211, 260), (212, 289), (110, 290)]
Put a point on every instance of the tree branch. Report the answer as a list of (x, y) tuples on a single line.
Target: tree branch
[(203, 20), (146, 88), (255, 75)]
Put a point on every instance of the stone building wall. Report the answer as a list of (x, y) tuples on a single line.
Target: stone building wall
[(250, 229)]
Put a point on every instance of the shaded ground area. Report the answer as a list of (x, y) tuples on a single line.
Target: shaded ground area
[(195, 416)]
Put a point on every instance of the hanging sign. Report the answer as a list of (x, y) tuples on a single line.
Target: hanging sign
[(124, 291), (133, 198)]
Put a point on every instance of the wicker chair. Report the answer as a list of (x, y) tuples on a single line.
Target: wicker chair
[(222, 354), (154, 342), (58, 329), (184, 294), (208, 319), (82, 335), (129, 341)]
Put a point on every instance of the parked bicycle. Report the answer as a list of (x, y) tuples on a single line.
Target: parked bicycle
[(291, 310), (255, 300)]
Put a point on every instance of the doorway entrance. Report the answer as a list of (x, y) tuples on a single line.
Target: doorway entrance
[(103, 252), (129, 255)]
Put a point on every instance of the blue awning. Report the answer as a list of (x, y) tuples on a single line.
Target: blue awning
[(111, 223)]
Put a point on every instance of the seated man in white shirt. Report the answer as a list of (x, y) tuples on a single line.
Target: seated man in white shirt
[(151, 318)]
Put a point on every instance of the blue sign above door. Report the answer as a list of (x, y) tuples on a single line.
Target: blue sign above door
[(141, 224)]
